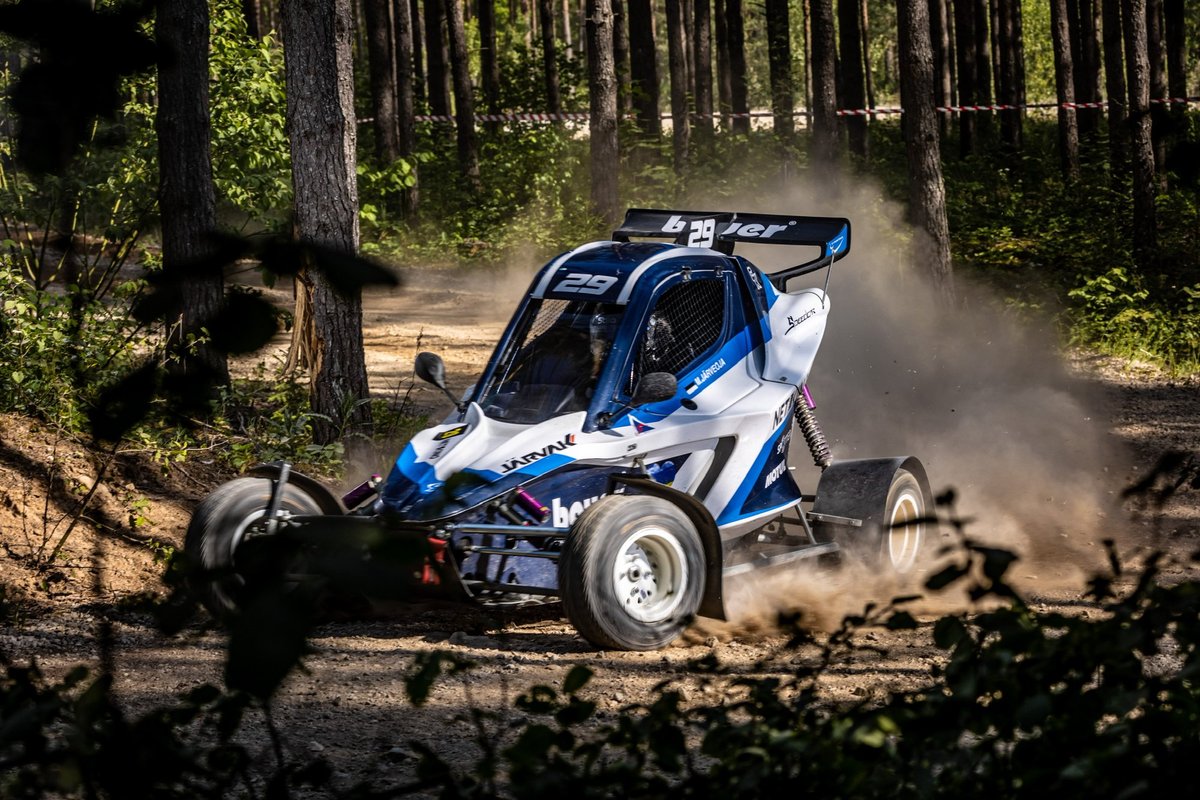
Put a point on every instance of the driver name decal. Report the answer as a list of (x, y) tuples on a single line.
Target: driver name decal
[(705, 374), (537, 455), (793, 321)]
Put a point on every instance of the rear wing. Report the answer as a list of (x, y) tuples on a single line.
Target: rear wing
[(721, 230)]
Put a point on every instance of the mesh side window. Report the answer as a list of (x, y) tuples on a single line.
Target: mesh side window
[(685, 325)]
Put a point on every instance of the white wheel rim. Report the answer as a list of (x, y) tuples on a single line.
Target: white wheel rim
[(904, 537), (649, 574)]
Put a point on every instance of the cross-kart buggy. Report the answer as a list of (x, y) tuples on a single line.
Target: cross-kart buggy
[(625, 450)]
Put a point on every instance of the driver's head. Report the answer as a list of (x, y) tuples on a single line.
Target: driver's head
[(602, 329)]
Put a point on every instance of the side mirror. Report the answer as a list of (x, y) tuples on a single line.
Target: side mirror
[(431, 369), (654, 387)]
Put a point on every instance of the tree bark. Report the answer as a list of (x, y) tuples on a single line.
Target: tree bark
[(1114, 86), (1087, 64), (724, 81), (406, 38), (1137, 75), (983, 69), (927, 191), (621, 58), (251, 10), (437, 56), (702, 63), (418, 48), (825, 121), (1064, 83), (676, 56), (853, 89), (568, 43), (186, 197), (1156, 52), (943, 60), (779, 56), (643, 68), (965, 52), (1007, 84), (321, 130), (488, 62), (381, 60), (464, 98), (1174, 23), (602, 123), (549, 57), (738, 94)]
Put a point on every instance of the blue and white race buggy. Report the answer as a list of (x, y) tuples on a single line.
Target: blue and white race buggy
[(626, 448)]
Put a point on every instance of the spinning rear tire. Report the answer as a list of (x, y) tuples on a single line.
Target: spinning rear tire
[(902, 536), (631, 575), (222, 537)]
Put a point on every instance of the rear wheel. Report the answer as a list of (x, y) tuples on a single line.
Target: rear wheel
[(631, 574), (226, 535), (902, 536)]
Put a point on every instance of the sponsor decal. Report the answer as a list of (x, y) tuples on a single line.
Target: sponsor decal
[(538, 455), (563, 515), (437, 453), (705, 374), (784, 441), (753, 230), (701, 232), (754, 278), (781, 412), (638, 425), (450, 434), (793, 321), (775, 474)]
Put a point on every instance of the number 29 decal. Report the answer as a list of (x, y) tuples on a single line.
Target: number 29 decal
[(582, 283), (701, 232)]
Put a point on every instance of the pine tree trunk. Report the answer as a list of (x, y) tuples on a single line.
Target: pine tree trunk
[(1087, 65), (438, 58), (965, 52), (702, 64), (549, 56), (865, 32), (1156, 52), (943, 61), (927, 191), (321, 129), (824, 134), (1007, 86), (676, 57), (621, 58), (488, 62), (464, 98), (779, 56), (1064, 83), (1174, 23), (382, 62), (738, 93), (724, 81), (983, 70), (186, 195), (1114, 86), (252, 10), (1145, 185), (643, 68), (853, 90), (568, 42), (602, 125), (406, 38), (418, 48)]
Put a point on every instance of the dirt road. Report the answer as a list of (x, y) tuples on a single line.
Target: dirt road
[(1041, 473)]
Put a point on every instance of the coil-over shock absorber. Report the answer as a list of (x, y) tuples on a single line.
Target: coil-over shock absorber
[(811, 429)]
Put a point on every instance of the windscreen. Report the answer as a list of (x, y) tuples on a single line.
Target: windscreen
[(550, 367)]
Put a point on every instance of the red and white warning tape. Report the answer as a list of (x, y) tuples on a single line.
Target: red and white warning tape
[(582, 116)]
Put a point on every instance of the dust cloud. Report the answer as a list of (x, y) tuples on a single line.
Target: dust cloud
[(984, 399)]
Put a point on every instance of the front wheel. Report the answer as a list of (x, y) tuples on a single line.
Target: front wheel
[(222, 535), (631, 574)]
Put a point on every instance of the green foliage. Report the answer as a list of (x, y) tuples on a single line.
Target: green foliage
[(251, 160)]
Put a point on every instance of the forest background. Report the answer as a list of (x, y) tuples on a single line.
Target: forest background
[(152, 152)]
